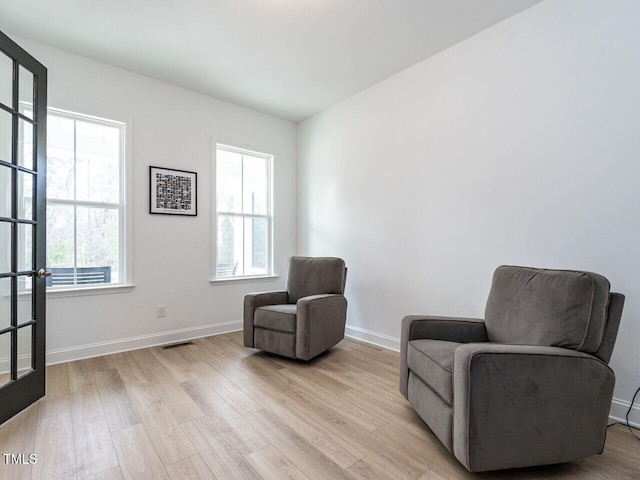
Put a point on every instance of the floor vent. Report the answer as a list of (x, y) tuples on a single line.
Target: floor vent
[(176, 345)]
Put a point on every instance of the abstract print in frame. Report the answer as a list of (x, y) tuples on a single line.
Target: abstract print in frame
[(173, 192)]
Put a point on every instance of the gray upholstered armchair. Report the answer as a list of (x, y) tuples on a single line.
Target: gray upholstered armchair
[(528, 385), (304, 320)]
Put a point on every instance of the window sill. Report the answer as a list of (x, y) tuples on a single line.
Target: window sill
[(256, 279), (84, 291)]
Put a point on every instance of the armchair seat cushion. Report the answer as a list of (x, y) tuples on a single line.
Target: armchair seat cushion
[(432, 362), (281, 318)]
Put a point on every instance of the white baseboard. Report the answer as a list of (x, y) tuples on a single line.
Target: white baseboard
[(619, 410), (62, 355), (374, 338)]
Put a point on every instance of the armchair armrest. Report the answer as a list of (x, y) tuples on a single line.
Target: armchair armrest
[(451, 329), (320, 323), (559, 399), (255, 300)]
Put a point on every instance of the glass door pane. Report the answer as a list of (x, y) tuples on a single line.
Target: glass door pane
[(6, 80), (5, 303), (5, 252), (25, 247), (25, 144), (25, 350), (6, 129), (25, 195), (25, 91), (5, 356), (25, 300), (5, 191)]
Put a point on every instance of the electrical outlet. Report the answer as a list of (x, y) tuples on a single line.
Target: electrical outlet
[(161, 311)]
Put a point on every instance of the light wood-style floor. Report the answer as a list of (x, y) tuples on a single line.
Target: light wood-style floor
[(217, 410)]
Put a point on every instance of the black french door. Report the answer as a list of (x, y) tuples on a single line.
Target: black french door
[(23, 115)]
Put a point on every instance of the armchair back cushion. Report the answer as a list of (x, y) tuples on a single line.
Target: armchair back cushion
[(314, 276), (560, 308)]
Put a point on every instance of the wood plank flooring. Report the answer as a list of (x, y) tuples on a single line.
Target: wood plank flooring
[(217, 410)]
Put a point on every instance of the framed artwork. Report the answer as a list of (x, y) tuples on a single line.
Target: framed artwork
[(173, 192)]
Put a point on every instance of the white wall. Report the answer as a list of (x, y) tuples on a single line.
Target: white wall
[(171, 256), (517, 146)]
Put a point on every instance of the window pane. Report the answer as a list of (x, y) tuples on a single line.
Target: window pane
[(255, 246), (60, 171), (97, 242), (98, 162), (6, 80), (5, 191), (228, 181), (255, 182), (6, 120), (229, 246), (60, 245), (25, 145)]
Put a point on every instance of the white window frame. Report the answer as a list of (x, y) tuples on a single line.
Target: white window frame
[(124, 214), (268, 216)]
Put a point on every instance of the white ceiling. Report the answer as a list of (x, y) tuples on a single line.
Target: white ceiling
[(289, 58)]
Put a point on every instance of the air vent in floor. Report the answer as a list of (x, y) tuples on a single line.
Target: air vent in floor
[(176, 345)]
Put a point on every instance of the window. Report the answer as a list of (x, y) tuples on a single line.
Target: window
[(243, 211), (85, 200)]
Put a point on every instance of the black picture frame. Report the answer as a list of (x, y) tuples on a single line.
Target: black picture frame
[(173, 192)]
